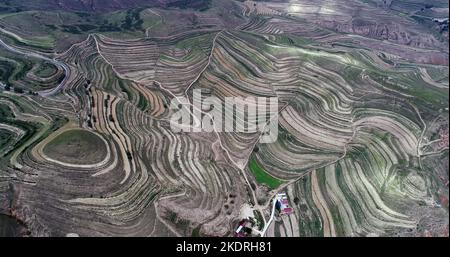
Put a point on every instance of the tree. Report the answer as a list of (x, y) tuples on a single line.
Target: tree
[(18, 90)]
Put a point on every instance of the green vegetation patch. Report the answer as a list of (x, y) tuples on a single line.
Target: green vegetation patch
[(263, 177), (46, 70), (6, 138)]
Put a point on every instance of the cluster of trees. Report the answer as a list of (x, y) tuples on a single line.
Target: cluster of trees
[(18, 90)]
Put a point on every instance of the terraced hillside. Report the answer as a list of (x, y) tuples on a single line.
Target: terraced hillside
[(98, 5), (86, 145)]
